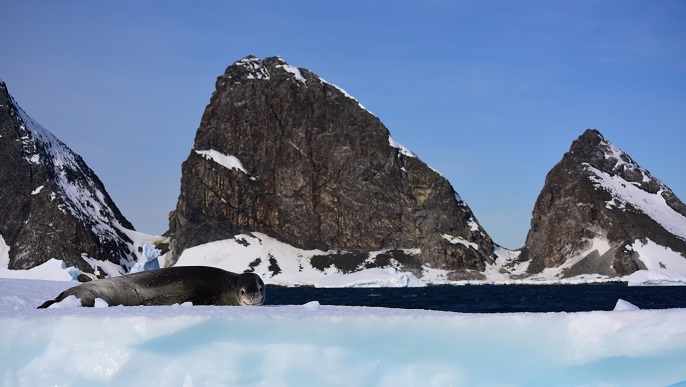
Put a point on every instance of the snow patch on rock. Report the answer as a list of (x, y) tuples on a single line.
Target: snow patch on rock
[(651, 204), (455, 240), (403, 150), (227, 161)]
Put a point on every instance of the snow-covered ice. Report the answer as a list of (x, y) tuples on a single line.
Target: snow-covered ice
[(316, 344)]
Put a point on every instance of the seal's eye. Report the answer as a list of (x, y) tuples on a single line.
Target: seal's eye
[(242, 291)]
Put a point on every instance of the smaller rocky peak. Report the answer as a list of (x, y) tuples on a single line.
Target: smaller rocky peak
[(596, 206)]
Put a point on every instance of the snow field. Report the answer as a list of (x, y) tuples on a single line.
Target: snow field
[(316, 344)]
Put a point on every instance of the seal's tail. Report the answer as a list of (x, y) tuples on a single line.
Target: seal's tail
[(46, 304)]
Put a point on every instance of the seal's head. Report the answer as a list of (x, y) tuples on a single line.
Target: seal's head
[(250, 289)]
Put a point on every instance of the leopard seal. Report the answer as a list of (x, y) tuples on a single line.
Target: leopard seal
[(201, 285)]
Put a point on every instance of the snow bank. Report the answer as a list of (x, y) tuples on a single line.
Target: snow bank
[(657, 257), (316, 344), (371, 278), (53, 269), (281, 264)]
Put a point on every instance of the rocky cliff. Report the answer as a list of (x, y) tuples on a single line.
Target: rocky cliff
[(282, 152), (600, 212), (52, 205)]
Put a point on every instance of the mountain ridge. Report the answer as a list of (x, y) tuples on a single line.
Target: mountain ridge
[(284, 158)]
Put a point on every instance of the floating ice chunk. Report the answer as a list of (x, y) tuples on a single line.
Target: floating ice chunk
[(74, 272), (100, 303), (623, 306), (148, 261), (312, 305)]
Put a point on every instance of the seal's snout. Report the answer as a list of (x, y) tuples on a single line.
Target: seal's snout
[(253, 298), (251, 291)]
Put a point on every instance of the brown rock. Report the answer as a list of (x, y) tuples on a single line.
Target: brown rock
[(318, 171)]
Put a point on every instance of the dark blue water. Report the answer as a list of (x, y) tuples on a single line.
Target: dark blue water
[(489, 298)]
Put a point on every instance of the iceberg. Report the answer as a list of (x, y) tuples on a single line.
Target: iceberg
[(371, 278), (148, 260), (659, 277)]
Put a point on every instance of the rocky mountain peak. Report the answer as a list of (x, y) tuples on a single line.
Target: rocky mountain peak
[(52, 205), (282, 152), (598, 209)]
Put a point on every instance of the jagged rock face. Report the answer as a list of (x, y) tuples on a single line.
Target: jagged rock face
[(596, 204), (52, 205), (282, 152)]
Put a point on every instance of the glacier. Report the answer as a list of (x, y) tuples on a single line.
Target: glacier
[(315, 344)]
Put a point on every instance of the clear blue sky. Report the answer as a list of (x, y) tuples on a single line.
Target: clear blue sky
[(491, 94)]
